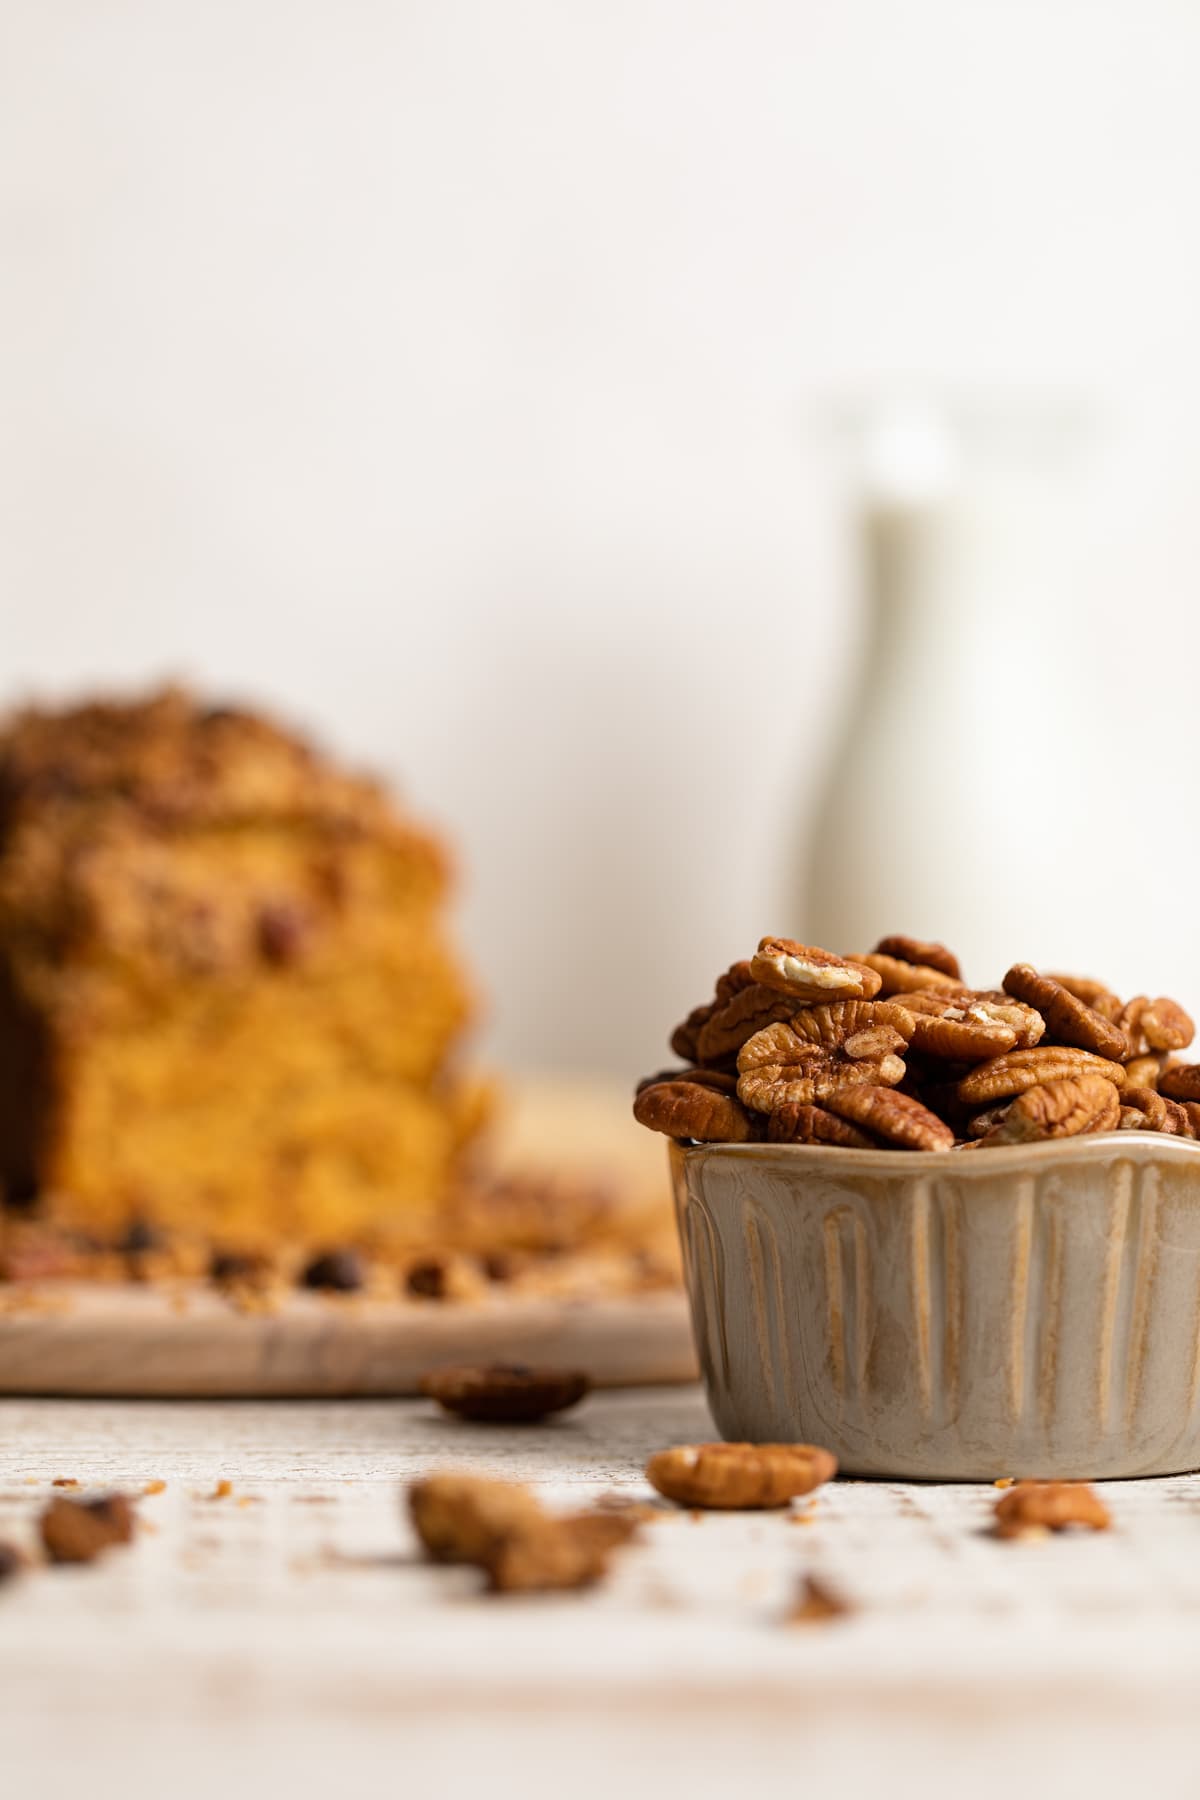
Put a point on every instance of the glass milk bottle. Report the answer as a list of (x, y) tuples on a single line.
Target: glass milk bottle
[(966, 797)]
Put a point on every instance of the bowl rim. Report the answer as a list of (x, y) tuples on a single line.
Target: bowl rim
[(1140, 1146)]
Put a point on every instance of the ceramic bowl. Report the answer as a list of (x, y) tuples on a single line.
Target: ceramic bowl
[(1031, 1311)]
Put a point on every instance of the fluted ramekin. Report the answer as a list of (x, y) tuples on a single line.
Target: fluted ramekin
[(1030, 1311)]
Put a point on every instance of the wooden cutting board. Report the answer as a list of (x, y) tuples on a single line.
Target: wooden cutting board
[(129, 1341)]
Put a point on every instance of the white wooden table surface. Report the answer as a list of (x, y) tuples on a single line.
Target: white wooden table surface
[(285, 1639)]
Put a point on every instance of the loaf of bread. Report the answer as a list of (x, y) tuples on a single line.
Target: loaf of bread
[(228, 1005)]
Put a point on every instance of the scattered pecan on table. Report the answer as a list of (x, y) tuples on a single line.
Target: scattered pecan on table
[(816, 1603), (1032, 1508), (502, 1528), (892, 1049), (738, 1477), (505, 1393), (78, 1531)]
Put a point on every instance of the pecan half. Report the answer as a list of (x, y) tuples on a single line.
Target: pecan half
[(505, 1393), (691, 1109), (1033, 1507), (736, 977), (78, 1531), (1070, 1108), (1096, 994), (994, 1003), (815, 1125), (928, 954), (1158, 1024), (1180, 1082), (780, 1066), (1145, 1071), (899, 977), (738, 1018), (959, 1028), (1017, 1070), (1069, 1020), (739, 1476), (718, 1079), (1157, 1113), (684, 1038), (809, 973), (893, 1118)]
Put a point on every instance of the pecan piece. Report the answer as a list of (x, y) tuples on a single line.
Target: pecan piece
[(780, 1066), (816, 1603), (11, 1562), (690, 1109), (1069, 1019), (1056, 1109), (739, 1476), (1017, 1070), (1180, 1082), (78, 1531), (461, 1518), (1034, 1507), (927, 954), (1158, 1024), (500, 1527), (815, 1125), (443, 1275), (335, 1271), (899, 977), (505, 1393), (808, 973), (894, 1118), (984, 1123), (875, 1042), (561, 1554)]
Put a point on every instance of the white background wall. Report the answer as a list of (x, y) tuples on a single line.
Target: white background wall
[(445, 372)]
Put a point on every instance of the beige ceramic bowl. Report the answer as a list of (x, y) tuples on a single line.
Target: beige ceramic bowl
[(1025, 1311)]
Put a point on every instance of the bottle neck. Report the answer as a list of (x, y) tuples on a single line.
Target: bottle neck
[(914, 602)]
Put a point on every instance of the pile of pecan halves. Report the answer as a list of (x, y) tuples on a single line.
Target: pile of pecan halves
[(893, 1050)]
